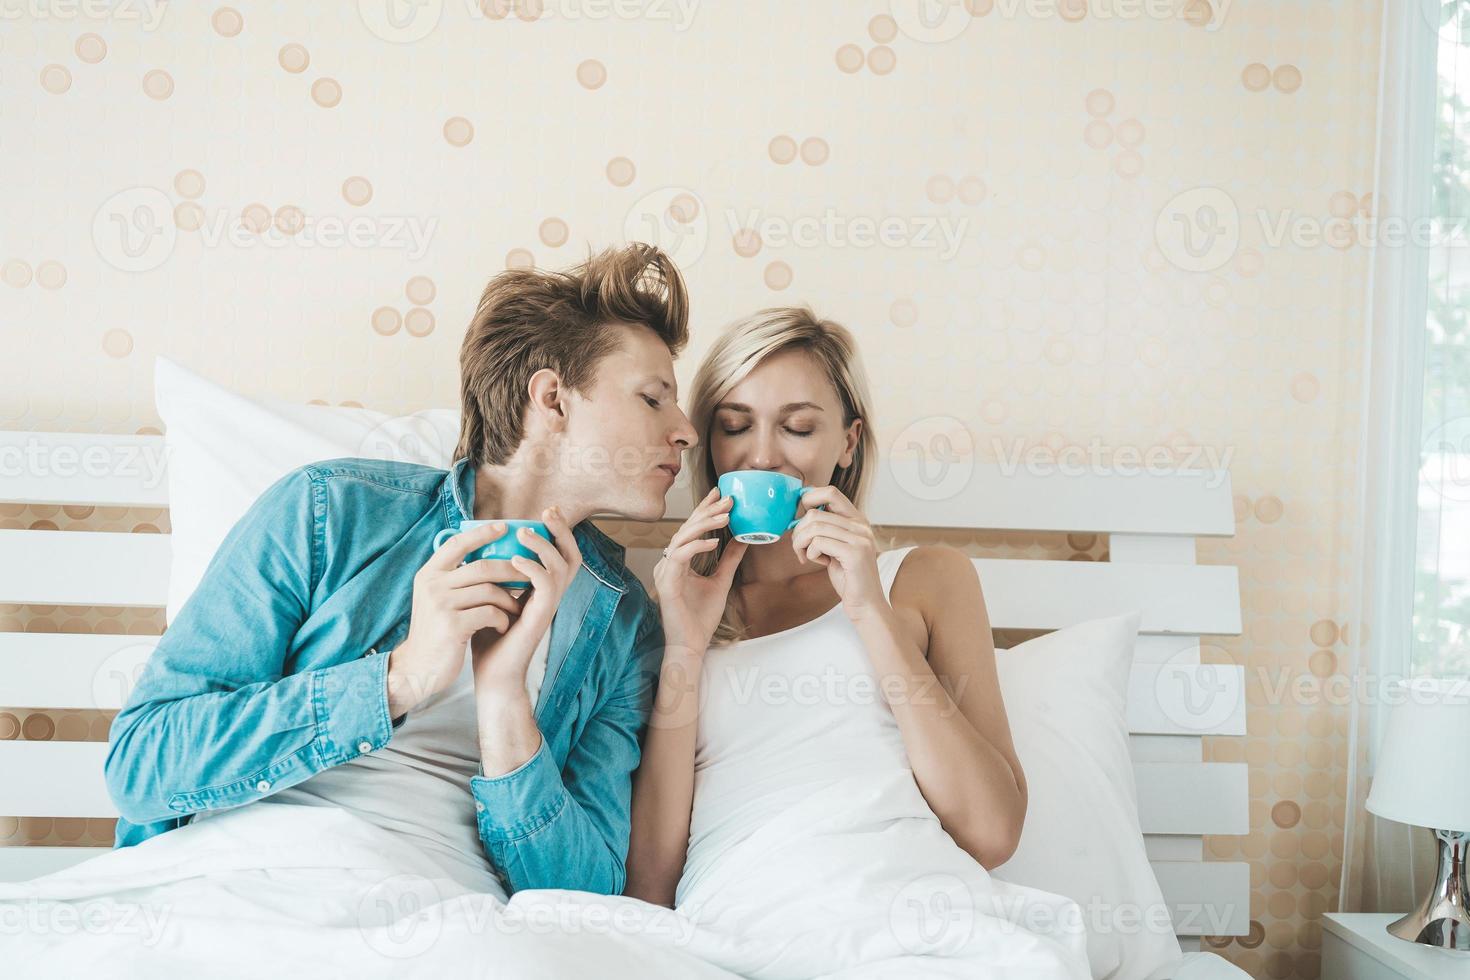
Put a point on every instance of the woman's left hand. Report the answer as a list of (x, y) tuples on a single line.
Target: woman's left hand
[(841, 538)]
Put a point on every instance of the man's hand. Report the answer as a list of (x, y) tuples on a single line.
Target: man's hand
[(451, 603), (507, 724), (502, 656)]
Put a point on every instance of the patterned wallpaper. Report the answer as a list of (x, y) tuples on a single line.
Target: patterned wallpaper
[(1053, 223)]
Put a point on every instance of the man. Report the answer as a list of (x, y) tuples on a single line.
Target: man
[(328, 657)]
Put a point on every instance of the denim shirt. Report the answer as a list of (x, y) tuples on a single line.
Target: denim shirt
[(276, 669)]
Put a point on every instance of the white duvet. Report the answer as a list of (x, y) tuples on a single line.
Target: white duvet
[(841, 885)]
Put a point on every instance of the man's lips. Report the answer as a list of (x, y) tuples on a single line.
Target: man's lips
[(672, 470)]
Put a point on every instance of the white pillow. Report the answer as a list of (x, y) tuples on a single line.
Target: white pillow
[(1066, 697), (224, 450)]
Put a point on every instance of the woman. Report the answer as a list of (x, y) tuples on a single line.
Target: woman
[(829, 718)]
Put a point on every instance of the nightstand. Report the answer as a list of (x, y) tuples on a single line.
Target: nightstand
[(1357, 946)]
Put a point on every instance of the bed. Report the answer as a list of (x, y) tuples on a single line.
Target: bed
[(1152, 520)]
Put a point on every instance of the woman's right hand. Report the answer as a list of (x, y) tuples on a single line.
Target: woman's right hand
[(691, 604)]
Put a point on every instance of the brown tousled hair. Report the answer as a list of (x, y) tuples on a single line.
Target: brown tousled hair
[(529, 319)]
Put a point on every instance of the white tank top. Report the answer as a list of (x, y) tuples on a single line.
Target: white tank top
[(780, 717), (418, 785)]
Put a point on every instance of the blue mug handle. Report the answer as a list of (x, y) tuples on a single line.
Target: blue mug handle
[(798, 520), (444, 536)]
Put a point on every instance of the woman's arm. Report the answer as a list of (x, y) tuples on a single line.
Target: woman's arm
[(663, 787), (948, 705), (690, 607)]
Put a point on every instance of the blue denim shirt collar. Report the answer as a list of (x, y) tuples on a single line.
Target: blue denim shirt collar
[(601, 555)]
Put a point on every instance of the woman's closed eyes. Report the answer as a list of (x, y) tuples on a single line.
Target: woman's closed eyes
[(795, 432)]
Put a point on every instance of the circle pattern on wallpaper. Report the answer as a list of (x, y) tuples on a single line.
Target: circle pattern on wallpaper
[(458, 131), (16, 273), (227, 22), (419, 322), (881, 60), (158, 84), (553, 232), (91, 48), (294, 58), (815, 151), (134, 229), (55, 79), (655, 219), (51, 274), (747, 243), (882, 29), (189, 183), (621, 171), (386, 320), (357, 191), (778, 275), (326, 92), (420, 290), (591, 74)]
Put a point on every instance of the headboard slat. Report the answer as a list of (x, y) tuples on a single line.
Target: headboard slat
[(83, 568), (70, 670), (83, 468)]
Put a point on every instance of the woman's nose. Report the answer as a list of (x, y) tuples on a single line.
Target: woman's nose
[(764, 454)]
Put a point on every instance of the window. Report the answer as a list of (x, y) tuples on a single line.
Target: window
[(1441, 635)]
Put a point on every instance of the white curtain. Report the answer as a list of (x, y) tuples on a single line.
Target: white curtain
[(1387, 866)]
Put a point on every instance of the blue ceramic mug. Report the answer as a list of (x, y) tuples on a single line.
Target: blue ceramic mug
[(502, 547), (765, 503)]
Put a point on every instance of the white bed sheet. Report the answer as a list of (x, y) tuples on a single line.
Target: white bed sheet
[(297, 890)]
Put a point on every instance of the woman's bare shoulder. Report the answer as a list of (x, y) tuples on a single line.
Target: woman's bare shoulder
[(932, 574)]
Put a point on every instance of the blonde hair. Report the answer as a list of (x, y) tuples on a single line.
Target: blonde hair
[(738, 351)]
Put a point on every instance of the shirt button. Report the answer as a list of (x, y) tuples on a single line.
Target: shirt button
[(479, 807), (263, 785), (373, 651), (364, 746)]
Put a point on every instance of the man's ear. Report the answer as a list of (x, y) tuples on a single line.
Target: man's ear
[(854, 432), (548, 398)]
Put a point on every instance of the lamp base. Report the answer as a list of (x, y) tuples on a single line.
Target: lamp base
[(1443, 918)]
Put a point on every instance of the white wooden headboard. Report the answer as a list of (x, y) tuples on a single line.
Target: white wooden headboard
[(1152, 519)]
